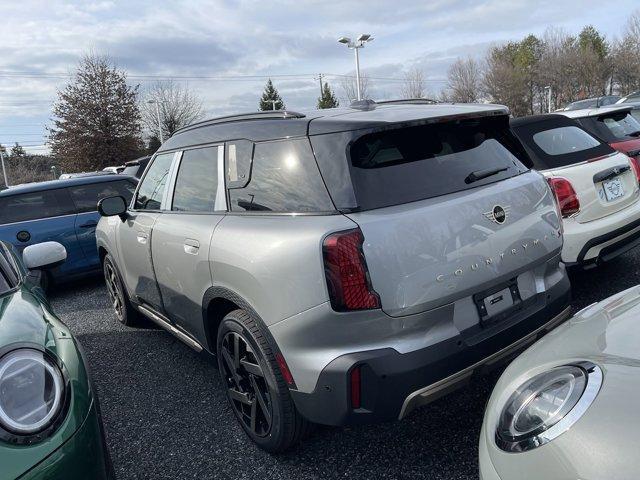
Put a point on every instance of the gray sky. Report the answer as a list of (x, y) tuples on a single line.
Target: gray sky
[(227, 41)]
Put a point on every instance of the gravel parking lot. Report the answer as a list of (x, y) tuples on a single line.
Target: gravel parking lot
[(166, 415)]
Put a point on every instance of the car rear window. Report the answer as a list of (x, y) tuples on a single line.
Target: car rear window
[(557, 141), (402, 165), (563, 140), (621, 124), (35, 205)]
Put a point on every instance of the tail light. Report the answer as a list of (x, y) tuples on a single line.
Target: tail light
[(346, 272), (566, 196), (355, 387), (635, 165)]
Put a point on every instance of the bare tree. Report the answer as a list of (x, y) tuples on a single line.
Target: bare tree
[(178, 107), (464, 81), (413, 85), (349, 86), (626, 57)]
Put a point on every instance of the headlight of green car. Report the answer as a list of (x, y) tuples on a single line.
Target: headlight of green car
[(50, 423)]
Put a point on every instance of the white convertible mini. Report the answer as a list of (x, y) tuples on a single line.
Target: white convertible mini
[(596, 187)]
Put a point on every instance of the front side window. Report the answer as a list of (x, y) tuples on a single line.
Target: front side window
[(35, 205), (621, 124), (563, 140), (284, 179), (86, 197), (197, 181), (154, 183)]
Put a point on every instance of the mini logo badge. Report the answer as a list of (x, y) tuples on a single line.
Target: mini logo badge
[(498, 214)]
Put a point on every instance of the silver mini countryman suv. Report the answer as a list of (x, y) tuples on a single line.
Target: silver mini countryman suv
[(343, 266)]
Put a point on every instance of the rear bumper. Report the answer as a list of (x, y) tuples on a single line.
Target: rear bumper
[(591, 243), (393, 384), (606, 246)]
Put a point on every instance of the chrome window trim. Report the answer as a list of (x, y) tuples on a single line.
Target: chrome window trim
[(594, 383), (220, 204), (167, 199)]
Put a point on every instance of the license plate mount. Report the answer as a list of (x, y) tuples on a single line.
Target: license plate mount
[(495, 304), (613, 189)]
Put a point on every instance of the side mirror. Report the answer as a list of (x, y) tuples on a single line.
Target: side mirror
[(44, 255), (112, 206)]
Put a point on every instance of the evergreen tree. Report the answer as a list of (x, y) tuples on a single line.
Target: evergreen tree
[(271, 99), (18, 151), (328, 99), (97, 119)]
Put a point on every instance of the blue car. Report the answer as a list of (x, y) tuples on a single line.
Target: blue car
[(64, 211)]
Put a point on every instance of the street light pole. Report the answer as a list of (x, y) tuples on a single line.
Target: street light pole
[(358, 44), (158, 117), (4, 170), (358, 87)]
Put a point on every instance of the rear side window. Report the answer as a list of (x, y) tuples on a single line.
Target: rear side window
[(563, 140), (197, 181), (414, 163), (86, 197), (621, 124), (284, 179), (35, 205), (154, 183)]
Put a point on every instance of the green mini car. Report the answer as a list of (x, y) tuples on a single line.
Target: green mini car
[(50, 425)]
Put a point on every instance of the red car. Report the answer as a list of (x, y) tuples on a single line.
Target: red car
[(615, 125)]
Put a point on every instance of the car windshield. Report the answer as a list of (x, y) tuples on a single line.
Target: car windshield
[(621, 124), (562, 140)]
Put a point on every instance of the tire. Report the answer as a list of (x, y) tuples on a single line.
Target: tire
[(254, 385), (122, 307)]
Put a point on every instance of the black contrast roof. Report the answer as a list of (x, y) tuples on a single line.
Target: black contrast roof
[(261, 126)]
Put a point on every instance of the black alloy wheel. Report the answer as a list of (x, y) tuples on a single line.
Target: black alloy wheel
[(246, 384), (113, 287)]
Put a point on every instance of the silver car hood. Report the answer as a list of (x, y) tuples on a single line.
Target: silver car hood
[(604, 443)]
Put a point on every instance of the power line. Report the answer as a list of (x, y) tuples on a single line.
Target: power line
[(301, 76)]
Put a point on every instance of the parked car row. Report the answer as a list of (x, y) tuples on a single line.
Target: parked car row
[(348, 266)]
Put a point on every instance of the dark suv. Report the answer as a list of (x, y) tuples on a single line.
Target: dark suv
[(345, 266)]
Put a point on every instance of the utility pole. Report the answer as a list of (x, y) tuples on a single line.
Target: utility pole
[(273, 102), (4, 170), (320, 78)]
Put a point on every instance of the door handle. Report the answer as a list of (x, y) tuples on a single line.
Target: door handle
[(191, 246), (89, 225), (142, 238)]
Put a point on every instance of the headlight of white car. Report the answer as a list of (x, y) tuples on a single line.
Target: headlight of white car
[(547, 405), (31, 391)]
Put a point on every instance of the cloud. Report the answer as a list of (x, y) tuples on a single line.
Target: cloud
[(224, 38)]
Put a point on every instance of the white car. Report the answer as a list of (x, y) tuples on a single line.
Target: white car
[(596, 187), (567, 408)]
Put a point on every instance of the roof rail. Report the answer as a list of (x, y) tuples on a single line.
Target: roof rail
[(268, 114), (410, 101)]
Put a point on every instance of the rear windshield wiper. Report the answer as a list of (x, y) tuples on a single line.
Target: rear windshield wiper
[(635, 134), (480, 174)]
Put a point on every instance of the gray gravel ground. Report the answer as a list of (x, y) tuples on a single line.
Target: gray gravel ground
[(166, 416)]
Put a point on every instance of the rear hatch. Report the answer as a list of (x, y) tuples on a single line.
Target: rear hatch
[(604, 181), (447, 209)]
